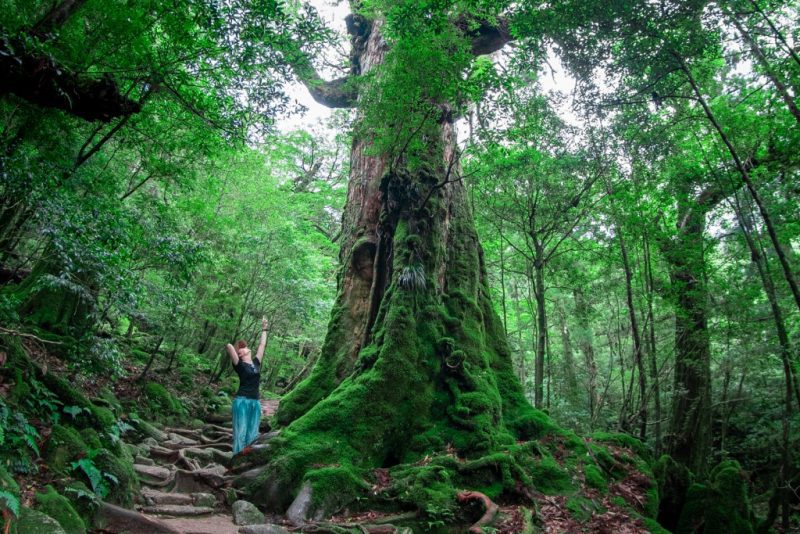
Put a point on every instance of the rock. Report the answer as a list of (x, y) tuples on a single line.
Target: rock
[(116, 520), (178, 510), (34, 522), (141, 460), (153, 497), (149, 442), (154, 473), (204, 499), (297, 513), (246, 513), (263, 529)]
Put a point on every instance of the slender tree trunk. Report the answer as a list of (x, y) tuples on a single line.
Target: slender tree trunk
[(541, 325), (768, 71), (785, 352), (778, 34), (652, 348), (745, 175), (638, 357), (586, 344), (570, 378)]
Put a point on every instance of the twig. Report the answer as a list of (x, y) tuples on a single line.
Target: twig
[(23, 334)]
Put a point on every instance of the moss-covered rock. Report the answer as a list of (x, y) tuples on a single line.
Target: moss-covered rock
[(594, 477), (34, 522), (161, 402), (59, 508), (125, 484), (83, 500), (64, 446), (674, 480), (720, 505)]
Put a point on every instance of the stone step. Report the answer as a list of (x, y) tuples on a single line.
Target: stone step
[(151, 473), (178, 510), (153, 497)]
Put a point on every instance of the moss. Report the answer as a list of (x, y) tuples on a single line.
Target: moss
[(334, 487), (624, 440), (594, 477), (64, 446), (721, 505), (59, 508), (91, 438), (121, 468), (34, 522), (83, 500), (104, 416), (653, 527), (581, 508), (111, 399), (673, 482), (550, 478), (161, 402), (21, 389)]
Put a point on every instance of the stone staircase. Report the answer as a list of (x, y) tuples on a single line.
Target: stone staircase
[(186, 485)]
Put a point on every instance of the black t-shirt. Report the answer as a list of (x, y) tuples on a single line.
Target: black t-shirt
[(249, 377)]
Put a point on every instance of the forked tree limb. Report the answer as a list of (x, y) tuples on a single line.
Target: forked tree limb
[(485, 37)]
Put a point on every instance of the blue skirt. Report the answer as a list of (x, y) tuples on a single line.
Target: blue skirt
[(246, 417)]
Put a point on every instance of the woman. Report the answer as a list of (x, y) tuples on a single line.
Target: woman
[(246, 407)]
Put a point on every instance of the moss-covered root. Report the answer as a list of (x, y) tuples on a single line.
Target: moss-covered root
[(720, 505), (59, 508)]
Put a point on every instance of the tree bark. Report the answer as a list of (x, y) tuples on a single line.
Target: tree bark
[(541, 326), (690, 423)]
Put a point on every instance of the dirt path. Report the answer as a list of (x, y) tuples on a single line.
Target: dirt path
[(185, 481)]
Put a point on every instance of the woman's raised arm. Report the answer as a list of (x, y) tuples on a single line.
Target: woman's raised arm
[(263, 343), (232, 354)]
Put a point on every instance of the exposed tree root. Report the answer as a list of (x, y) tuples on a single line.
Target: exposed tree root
[(487, 517)]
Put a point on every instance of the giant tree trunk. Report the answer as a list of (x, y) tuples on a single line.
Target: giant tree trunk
[(415, 359)]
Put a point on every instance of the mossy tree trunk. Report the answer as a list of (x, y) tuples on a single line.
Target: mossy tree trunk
[(415, 359), (690, 423)]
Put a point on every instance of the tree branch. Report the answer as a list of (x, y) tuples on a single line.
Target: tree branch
[(486, 37), (41, 80)]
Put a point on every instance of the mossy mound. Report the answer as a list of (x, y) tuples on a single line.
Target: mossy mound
[(720, 505), (83, 500), (125, 483), (59, 508), (34, 522), (64, 446), (160, 402)]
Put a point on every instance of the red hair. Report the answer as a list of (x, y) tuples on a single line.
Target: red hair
[(241, 344)]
